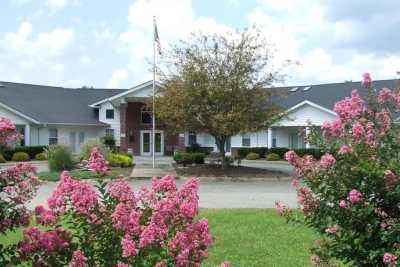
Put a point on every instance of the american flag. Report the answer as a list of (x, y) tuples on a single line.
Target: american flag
[(156, 37)]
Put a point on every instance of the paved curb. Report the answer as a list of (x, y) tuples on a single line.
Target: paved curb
[(266, 161), (240, 179)]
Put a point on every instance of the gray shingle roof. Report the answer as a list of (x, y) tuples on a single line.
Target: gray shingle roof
[(326, 95), (48, 104)]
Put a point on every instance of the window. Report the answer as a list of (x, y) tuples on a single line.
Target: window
[(192, 138), (53, 136), (81, 138), (109, 114), (146, 115), (246, 140), (110, 132)]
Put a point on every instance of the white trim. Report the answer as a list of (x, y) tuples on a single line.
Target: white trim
[(307, 102), (19, 113), (133, 89), (75, 124), (142, 153)]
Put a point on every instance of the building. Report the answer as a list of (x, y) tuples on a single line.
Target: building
[(56, 115)]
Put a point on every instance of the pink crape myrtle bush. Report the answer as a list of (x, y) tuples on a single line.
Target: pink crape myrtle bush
[(351, 195), (111, 225), (97, 162), (18, 185)]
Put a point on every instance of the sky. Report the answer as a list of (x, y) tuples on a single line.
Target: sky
[(108, 44)]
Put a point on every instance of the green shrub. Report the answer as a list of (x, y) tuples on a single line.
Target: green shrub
[(109, 141), (196, 148), (86, 148), (20, 156), (252, 156), (125, 154), (60, 158), (315, 152), (273, 157), (2, 160), (119, 160), (41, 156), (279, 150), (198, 158), (30, 150)]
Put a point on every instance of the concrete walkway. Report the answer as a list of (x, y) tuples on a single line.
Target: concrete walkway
[(144, 167)]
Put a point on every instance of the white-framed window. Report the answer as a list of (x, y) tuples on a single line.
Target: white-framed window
[(192, 138), (81, 138), (109, 114), (110, 132), (146, 115), (246, 141), (53, 136)]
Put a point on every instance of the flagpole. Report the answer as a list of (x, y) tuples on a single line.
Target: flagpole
[(154, 88)]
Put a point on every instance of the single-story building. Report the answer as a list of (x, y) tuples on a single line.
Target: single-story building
[(57, 115)]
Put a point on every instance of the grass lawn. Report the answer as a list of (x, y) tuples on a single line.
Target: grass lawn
[(84, 174), (249, 237)]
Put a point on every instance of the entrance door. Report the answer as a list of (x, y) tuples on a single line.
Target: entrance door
[(146, 143)]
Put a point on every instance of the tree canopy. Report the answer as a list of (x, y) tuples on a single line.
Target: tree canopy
[(217, 84)]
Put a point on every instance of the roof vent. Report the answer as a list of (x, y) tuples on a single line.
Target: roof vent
[(306, 88), (294, 89)]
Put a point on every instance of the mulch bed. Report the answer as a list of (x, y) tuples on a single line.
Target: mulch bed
[(209, 170)]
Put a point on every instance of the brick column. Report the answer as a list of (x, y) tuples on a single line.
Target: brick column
[(123, 128)]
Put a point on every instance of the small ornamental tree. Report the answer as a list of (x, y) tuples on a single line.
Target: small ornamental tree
[(114, 226), (217, 84), (351, 195), (97, 162), (18, 185)]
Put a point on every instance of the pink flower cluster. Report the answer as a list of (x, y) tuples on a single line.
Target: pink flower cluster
[(355, 196), (390, 259), (49, 242), (71, 194), (308, 203), (366, 79), (45, 217), (332, 230), (333, 129), (78, 259), (351, 107), (327, 161), (97, 163), (18, 184), (281, 208), (8, 132), (190, 245), (391, 179)]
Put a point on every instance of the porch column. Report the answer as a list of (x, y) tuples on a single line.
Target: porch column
[(27, 135), (269, 138), (123, 128), (307, 133)]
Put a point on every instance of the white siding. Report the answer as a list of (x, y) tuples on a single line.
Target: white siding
[(114, 123), (305, 113), (15, 119), (257, 139)]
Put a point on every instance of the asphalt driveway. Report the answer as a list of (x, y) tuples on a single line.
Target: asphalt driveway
[(217, 194)]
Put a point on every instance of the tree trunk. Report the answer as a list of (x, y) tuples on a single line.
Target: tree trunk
[(220, 142)]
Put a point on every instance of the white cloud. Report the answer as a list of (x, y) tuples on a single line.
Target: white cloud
[(118, 76), (328, 51), (57, 4), (35, 53), (175, 20)]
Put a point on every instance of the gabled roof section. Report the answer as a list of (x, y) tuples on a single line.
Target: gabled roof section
[(125, 93), (325, 95), (53, 105), (312, 104)]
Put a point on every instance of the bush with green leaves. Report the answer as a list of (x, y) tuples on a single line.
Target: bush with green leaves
[(351, 197), (186, 158), (2, 160), (252, 156), (109, 141), (87, 147), (272, 157), (41, 156), (20, 156), (60, 158), (30, 150), (119, 160)]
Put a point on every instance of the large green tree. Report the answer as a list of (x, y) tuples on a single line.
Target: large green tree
[(217, 84)]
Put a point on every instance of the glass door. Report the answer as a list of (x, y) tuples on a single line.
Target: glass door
[(145, 145)]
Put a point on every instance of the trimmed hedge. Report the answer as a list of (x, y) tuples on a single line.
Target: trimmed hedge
[(20, 156), (272, 157), (119, 160), (32, 151), (189, 158), (252, 156), (196, 148), (280, 151), (41, 156)]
